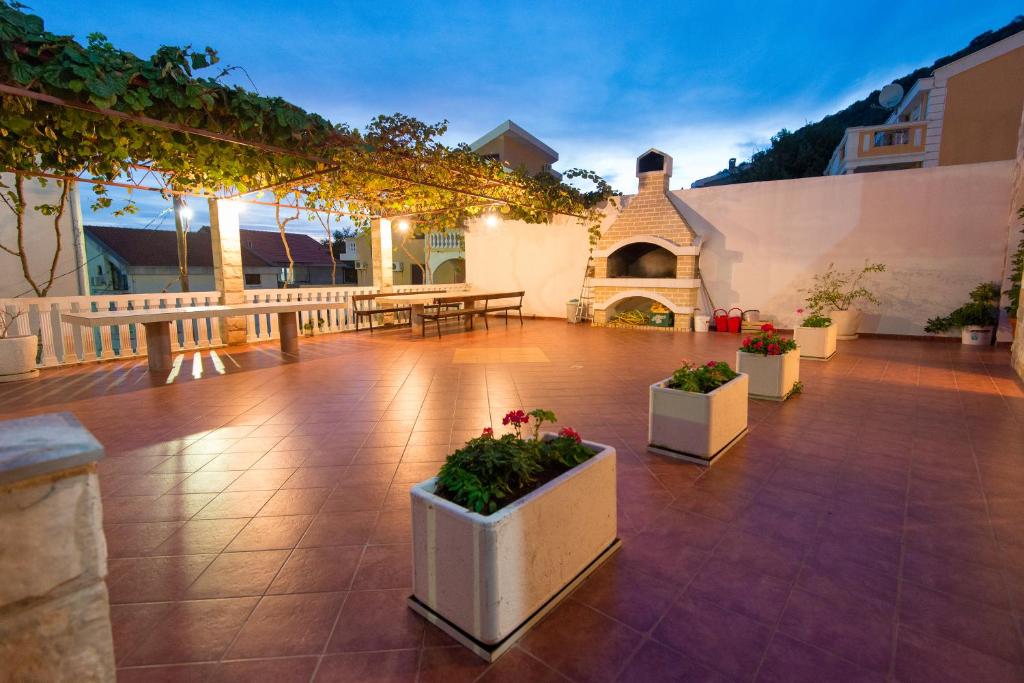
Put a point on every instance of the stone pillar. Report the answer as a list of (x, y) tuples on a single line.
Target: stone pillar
[(228, 277), (54, 610), (1016, 202), (380, 245)]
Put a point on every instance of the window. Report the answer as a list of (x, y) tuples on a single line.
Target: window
[(253, 279), (342, 247)]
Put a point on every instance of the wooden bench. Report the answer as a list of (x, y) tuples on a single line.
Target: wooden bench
[(471, 309), (373, 308)]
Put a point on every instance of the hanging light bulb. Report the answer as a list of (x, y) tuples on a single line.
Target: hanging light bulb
[(403, 226), (492, 220), (185, 212)]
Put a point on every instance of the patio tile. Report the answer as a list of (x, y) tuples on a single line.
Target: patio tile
[(132, 625), (284, 670), (283, 625), (154, 579), (450, 665), (174, 673), (396, 666), (376, 620), (718, 638), (654, 662), (957, 577), (339, 528), (626, 595), (384, 566), (238, 574), (741, 589), (790, 661), (135, 540), (193, 631), (294, 502), (581, 643), (235, 504), (924, 658), (271, 533), (200, 536), (311, 570)]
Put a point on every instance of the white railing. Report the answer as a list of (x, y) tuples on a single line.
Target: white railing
[(66, 344), (446, 241)]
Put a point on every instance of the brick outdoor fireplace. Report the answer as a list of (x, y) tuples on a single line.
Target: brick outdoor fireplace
[(649, 254)]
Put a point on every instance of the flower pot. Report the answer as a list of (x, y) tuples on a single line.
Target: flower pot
[(816, 343), (771, 377), (976, 335), (486, 579), (18, 358), (846, 323), (697, 427)]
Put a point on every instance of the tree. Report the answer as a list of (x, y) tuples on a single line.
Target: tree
[(15, 201)]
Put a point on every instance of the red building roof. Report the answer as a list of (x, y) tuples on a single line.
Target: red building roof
[(138, 247)]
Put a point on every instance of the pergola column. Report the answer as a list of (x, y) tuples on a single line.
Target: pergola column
[(226, 241), (380, 245)]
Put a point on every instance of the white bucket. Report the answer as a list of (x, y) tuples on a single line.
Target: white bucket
[(701, 323), (975, 335)]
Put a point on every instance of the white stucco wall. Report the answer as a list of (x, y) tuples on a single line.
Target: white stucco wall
[(940, 231), (39, 243), (546, 260)]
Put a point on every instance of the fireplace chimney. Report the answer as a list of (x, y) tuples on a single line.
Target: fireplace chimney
[(653, 168)]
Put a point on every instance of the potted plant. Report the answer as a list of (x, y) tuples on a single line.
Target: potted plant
[(976, 318), (508, 527), (17, 352), (773, 363), (1016, 275), (307, 327), (698, 412), (815, 336), (834, 293)]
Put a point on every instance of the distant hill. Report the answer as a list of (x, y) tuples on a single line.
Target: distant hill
[(806, 151)]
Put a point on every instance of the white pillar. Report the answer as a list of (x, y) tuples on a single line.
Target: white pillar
[(380, 244), (226, 241)]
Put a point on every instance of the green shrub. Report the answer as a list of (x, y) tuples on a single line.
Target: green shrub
[(1016, 274), (836, 290), (488, 473), (701, 379), (982, 309)]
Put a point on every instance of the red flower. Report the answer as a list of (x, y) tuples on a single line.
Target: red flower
[(800, 310), (774, 350), (767, 327), (712, 363), (758, 344), (488, 432), (570, 433), (515, 417)]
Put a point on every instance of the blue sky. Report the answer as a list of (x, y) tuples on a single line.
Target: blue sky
[(600, 82)]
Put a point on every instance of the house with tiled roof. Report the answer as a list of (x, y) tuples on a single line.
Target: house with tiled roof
[(133, 260)]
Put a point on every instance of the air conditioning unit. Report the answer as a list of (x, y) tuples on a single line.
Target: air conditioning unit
[(360, 265), (397, 266)]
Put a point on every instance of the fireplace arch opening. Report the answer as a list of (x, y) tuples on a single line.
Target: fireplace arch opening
[(642, 259)]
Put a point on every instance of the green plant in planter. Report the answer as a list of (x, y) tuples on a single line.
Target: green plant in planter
[(490, 472), (814, 319), (768, 342), (702, 379), (982, 310), (836, 290), (1016, 274)]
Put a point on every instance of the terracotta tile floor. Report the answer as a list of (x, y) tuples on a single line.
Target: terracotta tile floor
[(257, 521)]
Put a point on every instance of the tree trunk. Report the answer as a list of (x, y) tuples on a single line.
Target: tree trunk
[(281, 225), (181, 228)]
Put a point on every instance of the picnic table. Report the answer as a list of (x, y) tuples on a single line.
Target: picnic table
[(157, 322), (417, 302)]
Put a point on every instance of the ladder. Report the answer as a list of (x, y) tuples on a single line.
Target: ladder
[(586, 292)]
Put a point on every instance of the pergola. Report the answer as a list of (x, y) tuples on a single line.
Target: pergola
[(97, 115)]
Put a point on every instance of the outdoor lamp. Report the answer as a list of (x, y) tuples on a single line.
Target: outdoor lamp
[(492, 220), (403, 226)]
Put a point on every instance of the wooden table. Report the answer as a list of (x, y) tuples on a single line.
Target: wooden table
[(156, 322), (418, 301)]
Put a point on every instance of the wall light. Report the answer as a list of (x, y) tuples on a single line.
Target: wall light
[(186, 212), (403, 226), (492, 220)]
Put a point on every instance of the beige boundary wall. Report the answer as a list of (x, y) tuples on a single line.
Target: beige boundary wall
[(940, 230)]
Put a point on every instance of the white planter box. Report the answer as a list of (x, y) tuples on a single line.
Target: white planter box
[(847, 323), (976, 335), (486, 579), (18, 358), (697, 427), (771, 377), (816, 343)]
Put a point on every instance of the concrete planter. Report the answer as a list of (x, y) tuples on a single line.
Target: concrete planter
[(771, 377), (486, 579), (976, 335), (18, 358), (816, 343), (846, 322), (697, 427)]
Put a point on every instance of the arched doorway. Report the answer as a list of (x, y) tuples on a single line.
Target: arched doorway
[(450, 272)]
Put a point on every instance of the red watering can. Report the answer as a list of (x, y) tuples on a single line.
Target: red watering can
[(721, 320), (735, 320)]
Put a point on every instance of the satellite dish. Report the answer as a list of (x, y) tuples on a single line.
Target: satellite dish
[(890, 95)]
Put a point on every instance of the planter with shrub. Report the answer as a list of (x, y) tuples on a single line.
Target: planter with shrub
[(17, 352), (816, 337), (698, 413), (975, 319), (773, 364), (835, 292), (508, 527)]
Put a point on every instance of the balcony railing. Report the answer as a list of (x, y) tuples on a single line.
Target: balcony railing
[(449, 241), (875, 145), (65, 344)]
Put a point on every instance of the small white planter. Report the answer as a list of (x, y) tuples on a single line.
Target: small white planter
[(771, 377), (486, 579), (697, 427), (847, 323), (18, 358), (976, 335), (816, 343)]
